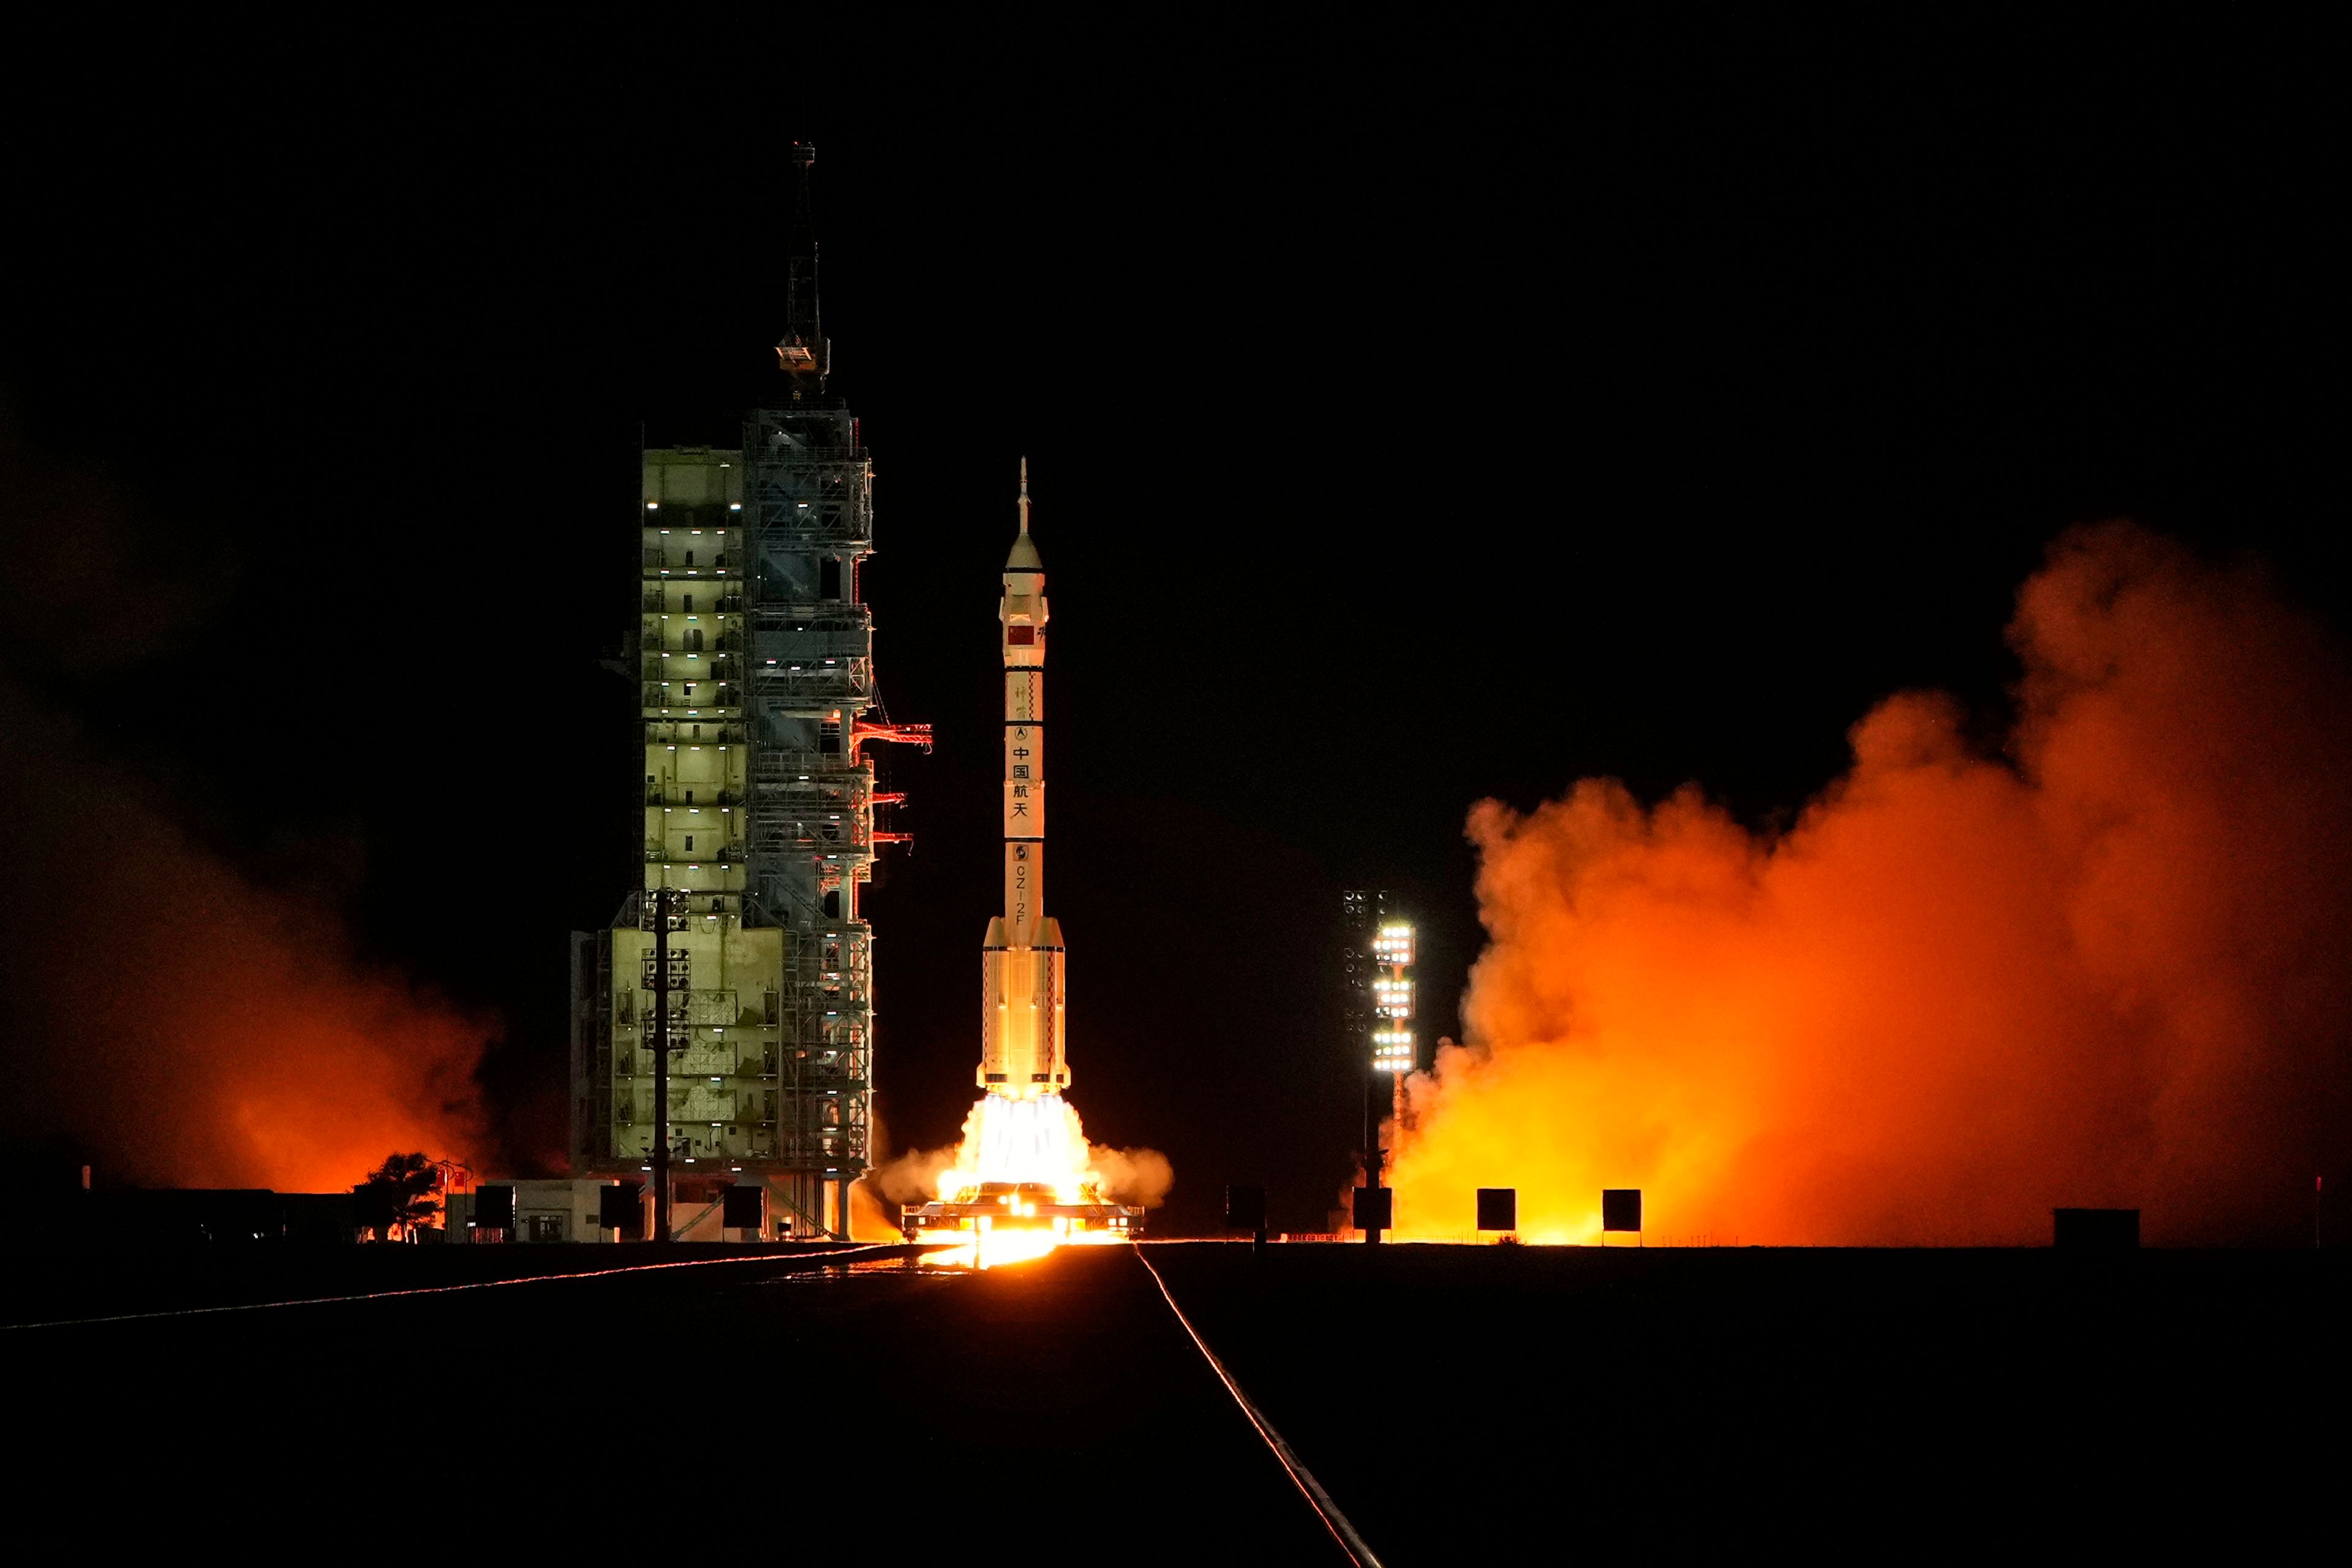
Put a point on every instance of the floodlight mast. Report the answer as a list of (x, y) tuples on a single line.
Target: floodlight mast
[(1378, 966), (1393, 1038)]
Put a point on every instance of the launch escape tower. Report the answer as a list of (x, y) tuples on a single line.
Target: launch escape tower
[(754, 656)]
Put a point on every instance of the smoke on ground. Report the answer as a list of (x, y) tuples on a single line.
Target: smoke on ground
[(912, 1177), (187, 1027), (1139, 1176), (870, 1218), (171, 1018), (2106, 966)]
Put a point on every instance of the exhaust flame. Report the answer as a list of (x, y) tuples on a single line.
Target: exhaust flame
[(2103, 968), (1024, 1156), (1028, 1141), (994, 1250)]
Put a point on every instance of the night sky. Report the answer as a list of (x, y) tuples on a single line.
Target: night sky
[(1411, 419)]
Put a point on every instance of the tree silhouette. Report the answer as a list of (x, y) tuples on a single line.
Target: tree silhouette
[(396, 1197)]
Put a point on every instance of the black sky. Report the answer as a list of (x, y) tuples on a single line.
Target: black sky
[(1414, 416)]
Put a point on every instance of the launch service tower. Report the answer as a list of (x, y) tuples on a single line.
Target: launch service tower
[(740, 1059)]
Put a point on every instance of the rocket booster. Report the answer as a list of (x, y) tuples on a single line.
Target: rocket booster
[(1022, 1048)]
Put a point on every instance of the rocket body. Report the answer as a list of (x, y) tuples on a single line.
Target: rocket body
[(1023, 1051)]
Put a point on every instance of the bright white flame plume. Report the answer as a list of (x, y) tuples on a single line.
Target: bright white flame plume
[(1035, 1140)]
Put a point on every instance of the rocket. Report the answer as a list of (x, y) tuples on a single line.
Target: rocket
[(1025, 1163), (1022, 1048)]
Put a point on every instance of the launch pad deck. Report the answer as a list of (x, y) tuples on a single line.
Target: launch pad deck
[(1023, 1205)]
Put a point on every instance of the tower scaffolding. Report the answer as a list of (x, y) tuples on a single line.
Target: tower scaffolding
[(756, 654)]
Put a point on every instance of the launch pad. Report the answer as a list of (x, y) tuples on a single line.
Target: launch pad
[(1021, 1207)]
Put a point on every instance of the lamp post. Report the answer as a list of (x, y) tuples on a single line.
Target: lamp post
[(1393, 1051)]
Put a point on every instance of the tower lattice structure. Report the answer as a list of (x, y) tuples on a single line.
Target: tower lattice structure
[(754, 653)]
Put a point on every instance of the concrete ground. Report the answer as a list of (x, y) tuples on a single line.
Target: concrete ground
[(1494, 1404)]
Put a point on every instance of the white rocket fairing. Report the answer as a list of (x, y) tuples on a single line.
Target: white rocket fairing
[(1022, 1046)]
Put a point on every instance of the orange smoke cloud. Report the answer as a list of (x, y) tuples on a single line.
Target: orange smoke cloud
[(2107, 967), (1139, 1176), (188, 1028), (870, 1219), (176, 1021)]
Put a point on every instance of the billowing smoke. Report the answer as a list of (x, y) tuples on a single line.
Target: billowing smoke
[(1039, 1139), (912, 1177), (1139, 1176), (187, 1027), (870, 1218), (2111, 965), (175, 1020)]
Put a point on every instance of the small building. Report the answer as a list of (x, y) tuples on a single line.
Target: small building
[(573, 1209), (562, 1209)]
